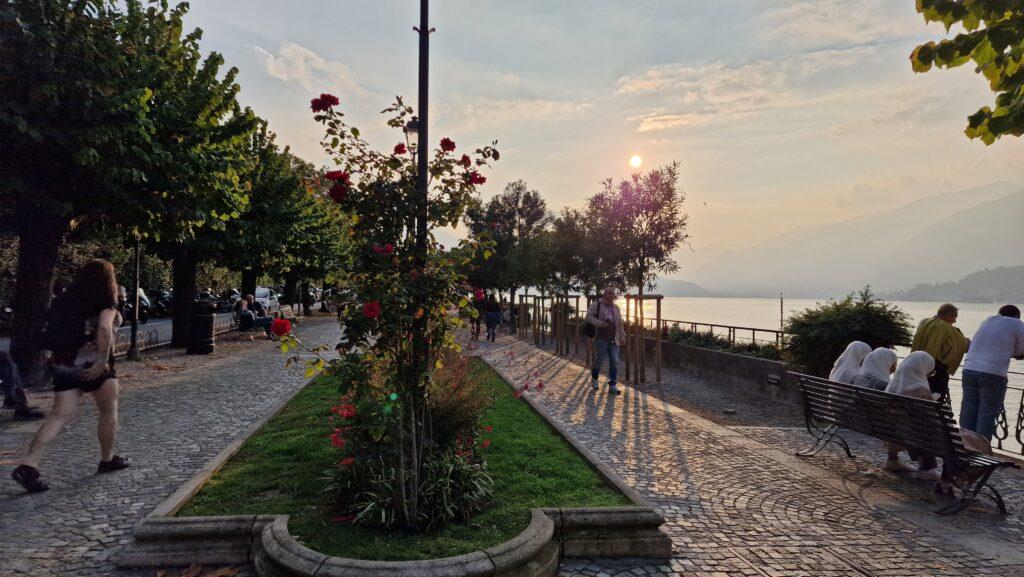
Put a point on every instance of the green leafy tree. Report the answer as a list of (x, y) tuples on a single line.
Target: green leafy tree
[(642, 222), (817, 336), (76, 127), (511, 218), (993, 39)]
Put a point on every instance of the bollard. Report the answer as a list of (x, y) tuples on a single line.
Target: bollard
[(200, 329)]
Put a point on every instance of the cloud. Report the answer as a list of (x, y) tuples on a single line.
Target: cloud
[(501, 111), (298, 64), (835, 23), (702, 94)]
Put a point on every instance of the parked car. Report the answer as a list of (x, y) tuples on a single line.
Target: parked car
[(268, 298)]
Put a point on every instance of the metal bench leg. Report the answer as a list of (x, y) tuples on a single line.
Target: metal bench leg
[(822, 438), (969, 496), (997, 498)]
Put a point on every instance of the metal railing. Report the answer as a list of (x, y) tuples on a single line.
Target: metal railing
[(732, 333)]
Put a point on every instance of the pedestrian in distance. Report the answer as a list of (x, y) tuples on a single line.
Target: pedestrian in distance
[(479, 299), (999, 338), (14, 393), (609, 336), (257, 316), (945, 343), (492, 317), (80, 333)]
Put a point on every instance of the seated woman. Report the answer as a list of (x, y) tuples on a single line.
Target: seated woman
[(911, 380), (878, 366), (874, 374), (848, 364)]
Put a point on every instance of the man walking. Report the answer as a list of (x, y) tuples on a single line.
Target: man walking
[(607, 319), (945, 343), (14, 394), (998, 339)]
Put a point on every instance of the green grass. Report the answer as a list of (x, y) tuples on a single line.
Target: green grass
[(280, 470)]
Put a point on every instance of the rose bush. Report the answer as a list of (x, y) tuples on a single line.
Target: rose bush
[(399, 316)]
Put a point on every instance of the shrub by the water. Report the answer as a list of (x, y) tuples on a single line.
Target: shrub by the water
[(707, 340), (817, 336)]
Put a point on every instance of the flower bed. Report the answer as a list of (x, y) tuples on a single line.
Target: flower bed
[(282, 470)]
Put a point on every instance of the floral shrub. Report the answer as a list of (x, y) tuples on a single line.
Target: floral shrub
[(407, 425)]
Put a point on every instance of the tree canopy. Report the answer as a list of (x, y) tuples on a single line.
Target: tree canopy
[(993, 39)]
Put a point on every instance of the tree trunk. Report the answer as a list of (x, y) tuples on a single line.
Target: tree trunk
[(291, 283), (249, 279), (184, 269), (39, 240), (305, 299)]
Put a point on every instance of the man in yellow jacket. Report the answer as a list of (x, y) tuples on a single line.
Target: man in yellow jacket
[(945, 343)]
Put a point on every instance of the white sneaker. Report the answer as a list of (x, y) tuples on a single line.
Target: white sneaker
[(929, 475), (897, 466)]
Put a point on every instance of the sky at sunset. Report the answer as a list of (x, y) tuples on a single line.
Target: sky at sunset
[(782, 113)]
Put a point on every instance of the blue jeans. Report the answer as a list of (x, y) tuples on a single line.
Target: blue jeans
[(983, 399), (10, 381), (609, 350)]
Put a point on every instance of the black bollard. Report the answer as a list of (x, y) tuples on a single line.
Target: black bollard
[(200, 330)]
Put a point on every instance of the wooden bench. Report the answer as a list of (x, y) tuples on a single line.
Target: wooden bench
[(924, 425)]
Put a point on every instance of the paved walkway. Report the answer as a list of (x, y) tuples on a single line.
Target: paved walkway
[(176, 414), (737, 502)]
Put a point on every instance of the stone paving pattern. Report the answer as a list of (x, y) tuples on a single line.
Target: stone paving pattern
[(172, 423), (737, 502)]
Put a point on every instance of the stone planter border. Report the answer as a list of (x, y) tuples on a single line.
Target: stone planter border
[(162, 540)]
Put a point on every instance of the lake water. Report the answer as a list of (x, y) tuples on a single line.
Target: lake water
[(764, 314)]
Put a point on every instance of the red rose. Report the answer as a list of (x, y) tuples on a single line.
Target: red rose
[(475, 177), (324, 102), (281, 327), (385, 250), (486, 443), (372, 310), (347, 411), (447, 144), (347, 461), (489, 428), (466, 161), (478, 294), (338, 192), (400, 149), (339, 176)]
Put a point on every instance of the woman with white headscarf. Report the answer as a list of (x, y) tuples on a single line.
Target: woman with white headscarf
[(874, 374), (848, 363), (878, 366), (911, 380)]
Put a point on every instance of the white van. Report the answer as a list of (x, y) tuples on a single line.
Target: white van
[(267, 298)]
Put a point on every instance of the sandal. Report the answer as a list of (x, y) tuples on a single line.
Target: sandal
[(115, 464), (28, 478)]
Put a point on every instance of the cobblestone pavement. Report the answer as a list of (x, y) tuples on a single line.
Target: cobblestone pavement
[(177, 412), (737, 502)]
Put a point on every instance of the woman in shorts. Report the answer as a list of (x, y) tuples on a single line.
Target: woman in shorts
[(80, 333)]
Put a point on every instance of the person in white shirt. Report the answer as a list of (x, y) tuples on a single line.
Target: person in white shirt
[(998, 339)]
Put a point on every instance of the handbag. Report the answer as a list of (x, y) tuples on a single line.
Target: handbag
[(589, 330)]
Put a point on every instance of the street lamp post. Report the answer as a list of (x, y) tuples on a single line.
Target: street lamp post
[(133, 350), (421, 348)]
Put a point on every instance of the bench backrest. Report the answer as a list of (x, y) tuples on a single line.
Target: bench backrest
[(921, 424)]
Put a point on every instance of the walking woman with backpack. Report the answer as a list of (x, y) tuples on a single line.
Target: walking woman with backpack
[(80, 333)]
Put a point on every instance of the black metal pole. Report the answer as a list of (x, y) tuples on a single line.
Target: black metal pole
[(420, 345), (133, 350)]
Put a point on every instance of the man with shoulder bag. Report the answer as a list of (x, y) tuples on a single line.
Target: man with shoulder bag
[(606, 321)]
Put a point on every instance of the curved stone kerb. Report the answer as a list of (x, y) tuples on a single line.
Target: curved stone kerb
[(532, 553)]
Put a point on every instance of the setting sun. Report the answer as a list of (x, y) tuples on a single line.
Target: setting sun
[(636, 161)]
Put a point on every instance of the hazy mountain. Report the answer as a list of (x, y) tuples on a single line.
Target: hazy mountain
[(940, 238), (681, 288), (1000, 285)]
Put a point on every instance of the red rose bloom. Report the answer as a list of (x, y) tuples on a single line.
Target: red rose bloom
[(323, 103), (466, 161), (372, 310), (347, 461), (338, 192), (489, 428), (400, 149), (486, 443), (281, 327), (339, 176), (387, 249), (447, 144), (475, 177)]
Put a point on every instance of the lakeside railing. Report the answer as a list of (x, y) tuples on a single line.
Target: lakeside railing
[(734, 334)]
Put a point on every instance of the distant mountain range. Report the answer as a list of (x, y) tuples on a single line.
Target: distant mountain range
[(681, 288), (1000, 285), (940, 238)]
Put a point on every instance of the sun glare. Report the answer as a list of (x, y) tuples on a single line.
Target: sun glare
[(636, 161)]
